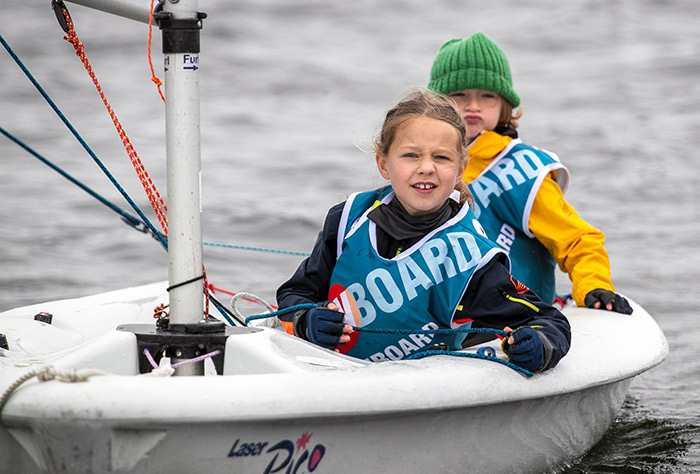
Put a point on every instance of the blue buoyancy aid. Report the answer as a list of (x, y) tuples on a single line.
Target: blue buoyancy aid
[(503, 195), (420, 288)]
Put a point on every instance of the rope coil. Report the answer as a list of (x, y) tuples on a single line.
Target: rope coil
[(46, 374), (49, 373)]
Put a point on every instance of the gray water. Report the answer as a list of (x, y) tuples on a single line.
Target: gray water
[(291, 95)]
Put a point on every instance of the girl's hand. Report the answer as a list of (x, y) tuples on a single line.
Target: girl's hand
[(524, 348), (347, 329), (324, 326)]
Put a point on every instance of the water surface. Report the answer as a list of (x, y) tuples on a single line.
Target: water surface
[(291, 94)]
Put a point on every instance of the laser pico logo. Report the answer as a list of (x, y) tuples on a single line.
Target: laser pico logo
[(284, 457)]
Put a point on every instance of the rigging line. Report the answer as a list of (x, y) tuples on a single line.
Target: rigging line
[(257, 249), (225, 312), (159, 236), (130, 219), (154, 78), (142, 224), (138, 223), (126, 217), (149, 187), (439, 331), (82, 142)]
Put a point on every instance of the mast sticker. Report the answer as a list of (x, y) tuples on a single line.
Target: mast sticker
[(181, 62)]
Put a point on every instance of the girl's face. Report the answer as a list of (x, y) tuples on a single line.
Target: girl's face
[(480, 109), (423, 164)]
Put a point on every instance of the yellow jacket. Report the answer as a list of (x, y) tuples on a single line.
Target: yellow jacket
[(575, 245)]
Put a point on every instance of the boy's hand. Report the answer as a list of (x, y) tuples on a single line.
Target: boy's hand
[(606, 299)]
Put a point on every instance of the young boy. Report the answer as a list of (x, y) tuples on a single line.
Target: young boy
[(518, 188)]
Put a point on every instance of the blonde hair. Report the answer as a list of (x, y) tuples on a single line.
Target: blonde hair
[(426, 103)]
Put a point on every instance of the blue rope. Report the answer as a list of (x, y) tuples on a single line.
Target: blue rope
[(143, 224), (421, 355), (257, 249), (280, 312), (479, 355), (130, 219), (127, 217), (75, 133), (223, 312), (443, 331)]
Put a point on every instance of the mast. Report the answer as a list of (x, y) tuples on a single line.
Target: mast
[(180, 23), (181, 26)]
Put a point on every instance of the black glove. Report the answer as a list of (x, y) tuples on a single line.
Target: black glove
[(324, 327), (527, 350), (605, 297)]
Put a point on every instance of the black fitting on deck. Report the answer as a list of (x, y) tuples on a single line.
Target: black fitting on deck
[(183, 341), (44, 317)]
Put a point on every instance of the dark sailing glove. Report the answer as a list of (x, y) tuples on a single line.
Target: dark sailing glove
[(527, 350), (606, 297), (324, 327)]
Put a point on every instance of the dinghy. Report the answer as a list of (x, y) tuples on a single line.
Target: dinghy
[(97, 385), (284, 405)]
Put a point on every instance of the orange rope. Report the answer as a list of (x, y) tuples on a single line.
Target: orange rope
[(159, 311), (154, 78), (214, 289), (206, 293), (154, 196)]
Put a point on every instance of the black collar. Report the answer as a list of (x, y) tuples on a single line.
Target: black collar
[(400, 225)]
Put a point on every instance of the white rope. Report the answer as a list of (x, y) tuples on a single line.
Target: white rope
[(269, 322), (164, 371), (46, 374), (251, 297)]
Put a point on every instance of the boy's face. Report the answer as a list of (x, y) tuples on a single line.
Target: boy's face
[(423, 164), (479, 108)]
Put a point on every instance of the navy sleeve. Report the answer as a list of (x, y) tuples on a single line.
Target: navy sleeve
[(494, 299), (311, 281)]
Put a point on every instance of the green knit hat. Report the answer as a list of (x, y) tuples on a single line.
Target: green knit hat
[(472, 63)]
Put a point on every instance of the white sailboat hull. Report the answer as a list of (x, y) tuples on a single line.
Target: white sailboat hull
[(286, 406)]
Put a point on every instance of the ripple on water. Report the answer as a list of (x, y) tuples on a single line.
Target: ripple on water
[(640, 442)]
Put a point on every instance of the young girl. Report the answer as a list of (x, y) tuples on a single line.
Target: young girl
[(519, 189), (412, 255)]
